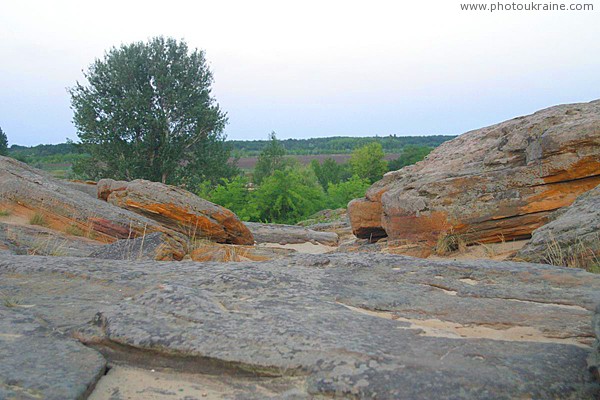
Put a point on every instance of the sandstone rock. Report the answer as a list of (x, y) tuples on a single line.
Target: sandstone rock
[(342, 325), (176, 209), (573, 235), (289, 234), (492, 184), (29, 191), (155, 246)]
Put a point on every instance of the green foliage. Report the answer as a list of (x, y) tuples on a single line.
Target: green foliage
[(410, 154), (271, 159), (368, 163), (3, 143), (330, 172), (341, 193), (234, 195), (147, 112), (288, 196)]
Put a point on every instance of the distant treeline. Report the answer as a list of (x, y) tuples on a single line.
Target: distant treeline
[(66, 153), (337, 145)]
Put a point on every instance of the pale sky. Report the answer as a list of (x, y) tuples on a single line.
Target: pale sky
[(311, 68)]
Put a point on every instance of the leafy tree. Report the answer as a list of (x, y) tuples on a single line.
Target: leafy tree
[(3, 143), (147, 112), (410, 155), (288, 196), (234, 195), (330, 172), (341, 193), (271, 159), (368, 163)]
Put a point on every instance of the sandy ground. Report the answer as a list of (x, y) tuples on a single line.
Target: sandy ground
[(130, 383)]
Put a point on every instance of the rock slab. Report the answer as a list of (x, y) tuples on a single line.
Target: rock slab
[(346, 325), (492, 184)]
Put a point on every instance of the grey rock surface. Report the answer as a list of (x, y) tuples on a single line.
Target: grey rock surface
[(88, 188), (289, 234), (594, 358), (37, 362), (349, 325), (572, 230)]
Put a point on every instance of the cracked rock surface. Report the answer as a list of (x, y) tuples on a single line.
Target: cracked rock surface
[(343, 325)]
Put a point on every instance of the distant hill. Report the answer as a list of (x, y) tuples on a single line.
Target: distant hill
[(338, 145)]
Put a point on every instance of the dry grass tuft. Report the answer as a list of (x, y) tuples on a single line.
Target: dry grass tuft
[(450, 242), (74, 230), (578, 255), (38, 219)]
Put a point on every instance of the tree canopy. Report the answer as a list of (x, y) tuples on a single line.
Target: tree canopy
[(3, 143), (410, 155), (368, 162), (147, 112), (271, 159)]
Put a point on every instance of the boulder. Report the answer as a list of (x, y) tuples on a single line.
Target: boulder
[(489, 185), (27, 191), (154, 246), (176, 209), (290, 234), (334, 325), (572, 238)]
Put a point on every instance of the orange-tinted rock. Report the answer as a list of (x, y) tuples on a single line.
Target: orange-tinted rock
[(176, 209), (492, 184), (64, 208), (365, 219)]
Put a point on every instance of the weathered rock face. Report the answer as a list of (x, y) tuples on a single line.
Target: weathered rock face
[(360, 325), (289, 234), (28, 191), (176, 209), (573, 233), (492, 184)]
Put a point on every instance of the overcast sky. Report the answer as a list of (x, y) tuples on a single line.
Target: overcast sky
[(311, 68)]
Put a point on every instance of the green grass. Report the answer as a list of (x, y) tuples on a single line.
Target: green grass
[(4, 213)]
